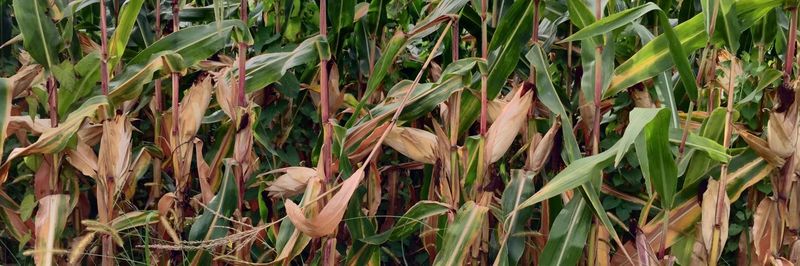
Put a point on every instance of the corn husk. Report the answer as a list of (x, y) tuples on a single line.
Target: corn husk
[(417, 144), (328, 219), (503, 131), (291, 183), (114, 157), (778, 136), (541, 147)]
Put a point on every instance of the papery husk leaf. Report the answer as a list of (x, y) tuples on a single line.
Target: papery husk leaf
[(292, 182), (417, 144), (505, 129), (327, 220)]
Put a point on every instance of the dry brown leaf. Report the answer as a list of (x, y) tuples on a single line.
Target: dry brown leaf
[(365, 136), (50, 221), (18, 123), (793, 213), (761, 147), (708, 220), (25, 77), (414, 143), (765, 229), (503, 131), (292, 182), (83, 159), (328, 219)]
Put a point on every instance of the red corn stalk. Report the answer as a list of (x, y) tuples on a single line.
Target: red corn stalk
[(324, 102), (155, 190), (108, 245)]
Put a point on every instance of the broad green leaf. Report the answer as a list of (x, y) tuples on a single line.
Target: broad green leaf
[(568, 235), (129, 84), (87, 74), (125, 21), (713, 128), (381, 69), (40, 35), (661, 164), (611, 22), (519, 188), (428, 24), (580, 171), (268, 68), (655, 57), (710, 147), (676, 49), (209, 225), (194, 43), (134, 219), (409, 222), (639, 118), (461, 233), (5, 110), (548, 95), (728, 28), (510, 37)]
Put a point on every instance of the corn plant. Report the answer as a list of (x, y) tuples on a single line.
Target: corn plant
[(413, 132)]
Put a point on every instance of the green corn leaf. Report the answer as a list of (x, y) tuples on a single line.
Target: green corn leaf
[(461, 234), (409, 222), (568, 235), (122, 33), (39, 33), (210, 225)]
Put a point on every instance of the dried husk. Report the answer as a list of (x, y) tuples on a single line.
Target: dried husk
[(291, 183), (327, 220), (506, 128), (417, 144)]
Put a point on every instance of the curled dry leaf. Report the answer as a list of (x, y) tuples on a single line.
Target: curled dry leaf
[(292, 182), (34, 126), (82, 157), (503, 131), (327, 220), (417, 144), (25, 77), (778, 135), (761, 147), (708, 220)]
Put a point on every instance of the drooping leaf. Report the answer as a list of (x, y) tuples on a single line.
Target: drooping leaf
[(568, 235), (210, 225), (461, 234), (409, 222)]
